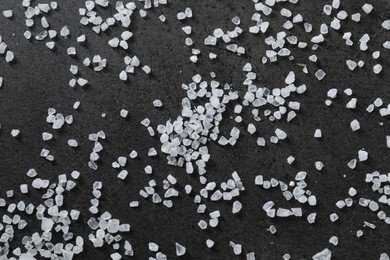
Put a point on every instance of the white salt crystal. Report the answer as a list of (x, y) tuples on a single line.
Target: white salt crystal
[(373, 206), (265, 9), (351, 64), (352, 164), (351, 104), (318, 39), (290, 159), (123, 174), (367, 8), (187, 29), (355, 125), (209, 243), (319, 165), (146, 69), (236, 207), (82, 82), (180, 250), (124, 113), (24, 188), (8, 13), (352, 192), (46, 136), (153, 247), (340, 204), (320, 74), (236, 20), (332, 93), (134, 204), (281, 212), (123, 75), (148, 169), (363, 155), (333, 217), (133, 154), (290, 78), (327, 9), (386, 24), (280, 134), (50, 45), (64, 31), (318, 133), (376, 54), (47, 224), (75, 174), (15, 132), (297, 18), (311, 218), (9, 56), (114, 42), (377, 68), (325, 254), (72, 143), (116, 256), (312, 200)]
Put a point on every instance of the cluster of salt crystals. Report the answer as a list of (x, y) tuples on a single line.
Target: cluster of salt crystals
[(146, 123), (106, 230), (57, 119), (150, 191), (237, 248), (53, 218), (121, 162), (122, 15), (299, 193), (98, 63), (226, 38), (362, 154), (9, 55), (257, 97), (181, 16), (116, 42), (94, 155), (185, 139), (378, 103), (131, 64), (228, 191), (365, 38), (39, 12), (381, 185)]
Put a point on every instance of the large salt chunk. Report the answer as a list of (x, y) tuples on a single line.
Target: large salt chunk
[(386, 24), (363, 155), (355, 125), (47, 224), (236, 207), (180, 250), (367, 8), (320, 74), (281, 212), (280, 134), (290, 78), (325, 254), (8, 13)]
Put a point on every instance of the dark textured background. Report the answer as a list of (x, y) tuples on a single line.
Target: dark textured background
[(39, 80)]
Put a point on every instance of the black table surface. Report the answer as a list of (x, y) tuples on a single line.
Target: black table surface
[(39, 77)]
